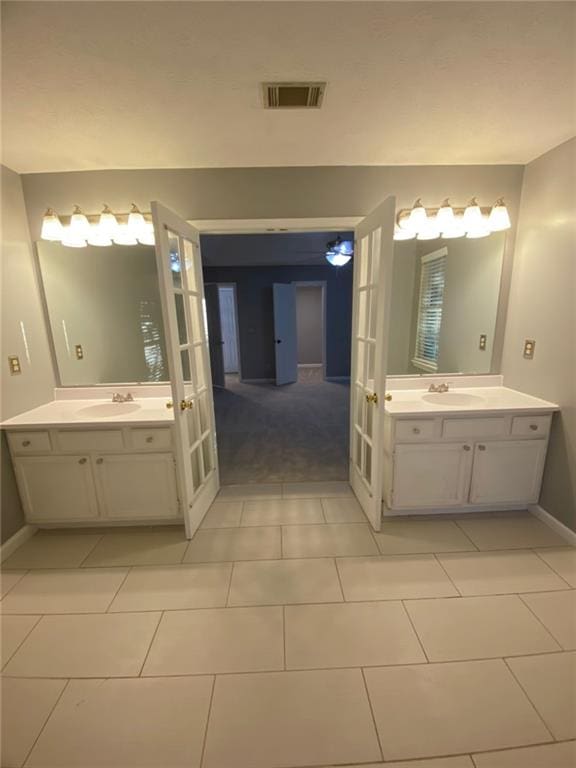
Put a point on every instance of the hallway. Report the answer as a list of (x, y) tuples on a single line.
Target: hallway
[(295, 433)]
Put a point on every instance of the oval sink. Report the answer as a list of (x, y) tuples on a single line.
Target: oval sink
[(107, 410), (453, 398)]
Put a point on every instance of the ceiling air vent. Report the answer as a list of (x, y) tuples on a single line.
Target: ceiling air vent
[(293, 95)]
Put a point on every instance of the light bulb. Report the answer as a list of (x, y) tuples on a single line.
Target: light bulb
[(418, 218), (108, 223), (136, 222), (79, 224), (147, 236), (473, 218), (499, 218), (429, 232), (71, 239), (445, 218), (123, 236), (97, 237), (337, 259), (403, 234), (52, 229)]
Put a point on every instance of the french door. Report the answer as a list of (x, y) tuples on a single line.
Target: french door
[(373, 255), (183, 310)]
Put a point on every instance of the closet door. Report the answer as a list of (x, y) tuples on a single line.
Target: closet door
[(183, 310), (373, 254), (285, 334), (215, 340)]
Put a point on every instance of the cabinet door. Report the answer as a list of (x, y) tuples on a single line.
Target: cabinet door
[(137, 486), (508, 472), (56, 488), (433, 475)]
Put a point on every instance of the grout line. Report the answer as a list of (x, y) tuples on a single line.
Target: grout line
[(539, 556), (517, 681), (281, 542), (96, 543), (476, 547), (128, 570), (208, 715), (66, 684), (448, 575), (5, 661), (227, 602), (284, 633), (372, 712), (160, 619), (549, 631), (339, 575), (415, 631)]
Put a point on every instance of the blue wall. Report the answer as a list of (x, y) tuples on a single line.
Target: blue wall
[(256, 317)]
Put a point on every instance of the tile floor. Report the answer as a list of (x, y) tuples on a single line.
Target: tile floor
[(287, 634)]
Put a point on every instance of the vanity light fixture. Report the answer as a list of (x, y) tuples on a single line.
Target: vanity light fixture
[(146, 237), (79, 224), (124, 236), (97, 237), (499, 218), (136, 222), (403, 234), (445, 219), (108, 223), (472, 221), (51, 227), (71, 239), (418, 218)]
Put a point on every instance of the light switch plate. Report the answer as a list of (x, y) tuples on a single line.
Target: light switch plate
[(529, 345), (14, 365), (482, 342), (79, 351)]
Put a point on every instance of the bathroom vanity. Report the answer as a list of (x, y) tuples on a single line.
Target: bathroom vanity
[(467, 449), (96, 462)]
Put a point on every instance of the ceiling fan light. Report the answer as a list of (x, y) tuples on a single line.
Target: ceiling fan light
[(346, 248), (403, 234), (52, 228), (79, 224), (445, 218), (499, 218), (337, 259)]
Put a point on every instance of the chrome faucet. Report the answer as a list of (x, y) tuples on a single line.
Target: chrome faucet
[(117, 397), (443, 387)]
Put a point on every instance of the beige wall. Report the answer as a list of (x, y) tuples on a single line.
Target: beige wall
[(23, 334), (543, 307)]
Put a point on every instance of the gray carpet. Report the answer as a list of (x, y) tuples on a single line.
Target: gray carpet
[(295, 433)]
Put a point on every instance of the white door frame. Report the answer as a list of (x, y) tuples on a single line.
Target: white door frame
[(235, 292)]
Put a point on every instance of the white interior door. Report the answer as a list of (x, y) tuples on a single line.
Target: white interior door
[(373, 255), (285, 333), (215, 340), (183, 310)]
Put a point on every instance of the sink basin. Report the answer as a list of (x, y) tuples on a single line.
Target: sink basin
[(453, 398), (107, 410)]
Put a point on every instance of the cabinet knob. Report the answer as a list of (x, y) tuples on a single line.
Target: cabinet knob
[(481, 447), (466, 447), (150, 439), (26, 443), (99, 461), (82, 461), (416, 430), (534, 427)]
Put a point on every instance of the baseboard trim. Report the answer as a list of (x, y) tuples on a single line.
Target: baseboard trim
[(552, 522), (310, 365), (11, 545), (337, 378), (258, 381)]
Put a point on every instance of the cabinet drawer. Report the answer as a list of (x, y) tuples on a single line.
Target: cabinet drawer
[(151, 439), (470, 428), (91, 440), (29, 442), (415, 429), (536, 426)]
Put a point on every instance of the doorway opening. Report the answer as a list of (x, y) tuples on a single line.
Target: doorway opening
[(282, 403)]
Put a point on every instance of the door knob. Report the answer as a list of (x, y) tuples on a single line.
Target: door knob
[(466, 447), (373, 398), (99, 461), (278, 341), (186, 405), (388, 397), (82, 461), (481, 447)]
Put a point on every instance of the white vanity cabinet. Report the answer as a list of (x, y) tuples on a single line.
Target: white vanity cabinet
[(100, 476), (467, 463)]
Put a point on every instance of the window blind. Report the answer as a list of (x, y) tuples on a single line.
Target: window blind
[(432, 280)]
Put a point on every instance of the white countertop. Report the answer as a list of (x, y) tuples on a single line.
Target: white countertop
[(95, 413), (466, 400)]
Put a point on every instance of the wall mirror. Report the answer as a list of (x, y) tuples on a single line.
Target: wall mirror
[(445, 296), (104, 313)]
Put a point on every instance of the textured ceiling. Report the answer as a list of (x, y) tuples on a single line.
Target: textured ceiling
[(90, 85)]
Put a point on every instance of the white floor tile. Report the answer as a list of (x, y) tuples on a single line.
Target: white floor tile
[(282, 512), (102, 645), (550, 683), (278, 582), (494, 573), (443, 709), (563, 561), (87, 590), (393, 578), (400, 537), (9, 579), (139, 548), (223, 514), (13, 631), (249, 491), (227, 544), (174, 587), (349, 635), (53, 550), (343, 510), (478, 628), (557, 611), (328, 540), (218, 641), (26, 705), (126, 724), (510, 532), (316, 490), (545, 756), (290, 719)]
